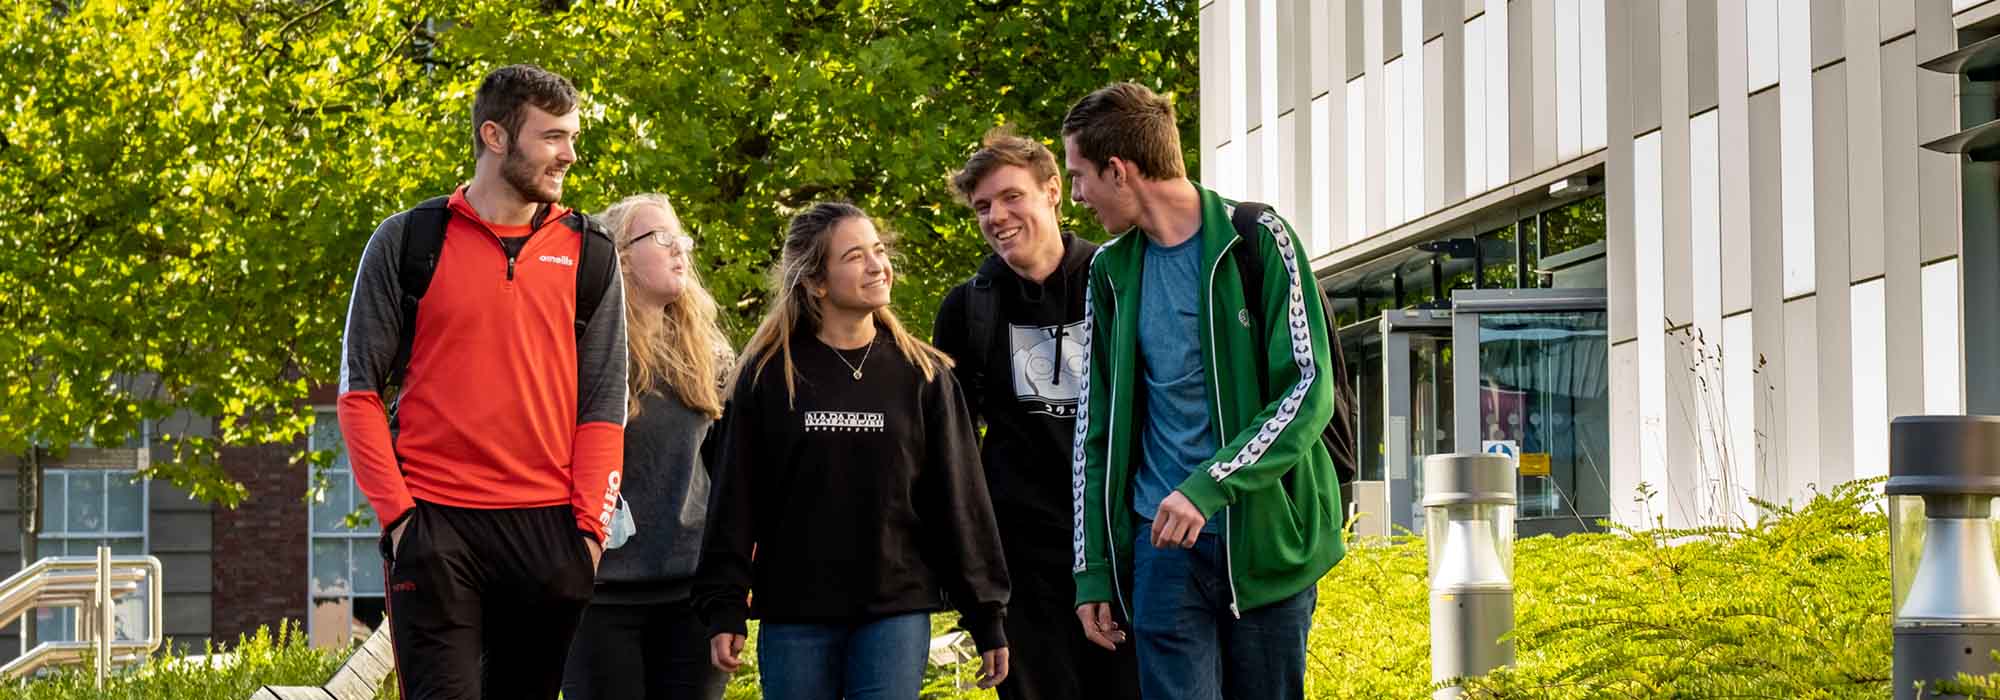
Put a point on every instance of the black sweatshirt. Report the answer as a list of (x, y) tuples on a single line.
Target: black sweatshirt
[(861, 499), (1026, 393)]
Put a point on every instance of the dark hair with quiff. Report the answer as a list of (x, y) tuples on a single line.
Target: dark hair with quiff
[(1129, 122), (506, 90), (1001, 148)]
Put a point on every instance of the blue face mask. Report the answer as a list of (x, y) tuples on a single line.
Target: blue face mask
[(622, 526)]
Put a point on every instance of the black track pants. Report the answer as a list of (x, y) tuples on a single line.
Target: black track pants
[(1052, 660), (482, 603)]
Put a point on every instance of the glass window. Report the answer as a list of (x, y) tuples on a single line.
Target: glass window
[(345, 586), (82, 509), (1496, 251), (1362, 348), (1566, 228), (1431, 408), (125, 505), (1543, 387), (86, 499)]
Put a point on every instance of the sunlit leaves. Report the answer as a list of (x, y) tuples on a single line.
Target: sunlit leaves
[(186, 186)]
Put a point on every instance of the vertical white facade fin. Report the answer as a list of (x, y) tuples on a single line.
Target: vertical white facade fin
[(1356, 171), (1761, 16), (1595, 69), (1412, 103), (1476, 105), (1270, 184), (1326, 230), (1868, 331), (1795, 110), (1230, 172), (1569, 78), (1649, 248), (1741, 383), (1705, 220), (1944, 339), (1497, 116), (1702, 358), (1396, 156)]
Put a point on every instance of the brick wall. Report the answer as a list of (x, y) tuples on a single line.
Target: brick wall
[(262, 545)]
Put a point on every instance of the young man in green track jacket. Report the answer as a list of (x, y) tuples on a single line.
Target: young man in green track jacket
[(1205, 511)]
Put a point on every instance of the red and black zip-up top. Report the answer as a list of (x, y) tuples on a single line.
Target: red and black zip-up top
[(504, 405)]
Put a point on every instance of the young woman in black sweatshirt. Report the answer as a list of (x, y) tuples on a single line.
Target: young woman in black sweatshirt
[(851, 472), (640, 637)]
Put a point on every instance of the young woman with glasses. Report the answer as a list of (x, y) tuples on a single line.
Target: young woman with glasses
[(640, 637)]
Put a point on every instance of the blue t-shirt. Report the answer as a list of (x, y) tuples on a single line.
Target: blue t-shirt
[(1176, 436)]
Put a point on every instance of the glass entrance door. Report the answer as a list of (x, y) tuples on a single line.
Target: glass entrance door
[(1418, 407), (1539, 380)]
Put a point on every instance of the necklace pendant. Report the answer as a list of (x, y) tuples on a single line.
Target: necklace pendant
[(857, 375)]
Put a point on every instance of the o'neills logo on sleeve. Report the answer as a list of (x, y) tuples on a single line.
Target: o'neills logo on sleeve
[(610, 499), (843, 421)]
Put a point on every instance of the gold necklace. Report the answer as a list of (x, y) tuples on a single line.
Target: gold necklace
[(850, 365)]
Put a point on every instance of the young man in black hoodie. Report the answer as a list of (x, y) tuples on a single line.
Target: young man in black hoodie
[(1015, 332)]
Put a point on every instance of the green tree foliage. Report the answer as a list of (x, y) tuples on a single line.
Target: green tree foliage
[(189, 184)]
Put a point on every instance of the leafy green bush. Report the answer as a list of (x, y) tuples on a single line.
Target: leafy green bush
[(265, 658), (1796, 606)]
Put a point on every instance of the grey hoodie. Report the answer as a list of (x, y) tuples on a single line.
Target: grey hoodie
[(667, 486)]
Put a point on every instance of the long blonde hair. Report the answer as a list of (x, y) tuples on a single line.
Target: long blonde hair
[(792, 309), (679, 346)]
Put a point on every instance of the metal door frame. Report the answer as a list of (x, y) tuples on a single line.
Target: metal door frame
[(1397, 326)]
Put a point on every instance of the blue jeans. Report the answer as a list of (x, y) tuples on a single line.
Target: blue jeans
[(879, 660), (1192, 648)]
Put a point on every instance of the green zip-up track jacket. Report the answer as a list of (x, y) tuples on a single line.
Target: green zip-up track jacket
[(1272, 481)]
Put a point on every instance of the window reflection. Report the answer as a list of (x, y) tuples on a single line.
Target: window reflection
[(1543, 386)]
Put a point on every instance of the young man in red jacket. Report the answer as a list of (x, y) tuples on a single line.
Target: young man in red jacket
[(496, 473)]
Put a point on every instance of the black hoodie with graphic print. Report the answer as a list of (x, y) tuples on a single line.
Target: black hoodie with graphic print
[(1026, 392)]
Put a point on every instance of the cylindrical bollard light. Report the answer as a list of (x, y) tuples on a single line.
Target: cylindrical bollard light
[(1469, 508), (1944, 472)]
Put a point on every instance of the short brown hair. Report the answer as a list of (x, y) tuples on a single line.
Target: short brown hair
[(1000, 148), (506, 89), (1129, 122)]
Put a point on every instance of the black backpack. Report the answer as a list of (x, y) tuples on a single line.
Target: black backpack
[(423, 239), (1339, 433), (982, 325)]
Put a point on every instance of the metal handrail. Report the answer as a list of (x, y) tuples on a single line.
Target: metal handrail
[(50, 654), (75, 582)]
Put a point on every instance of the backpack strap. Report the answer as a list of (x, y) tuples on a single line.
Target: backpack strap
[(1338, 436), (423, 239), (982, 321), (1250, 270), (596, 259)]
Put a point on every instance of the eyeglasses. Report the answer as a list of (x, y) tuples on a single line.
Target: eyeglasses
[(677, 244)]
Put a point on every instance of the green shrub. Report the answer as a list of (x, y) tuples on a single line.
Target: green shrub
[(1794, 607), (264, 658)]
